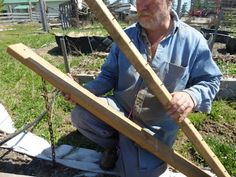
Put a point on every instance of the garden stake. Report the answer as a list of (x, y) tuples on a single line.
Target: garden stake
[(65, 56), (153, 82)]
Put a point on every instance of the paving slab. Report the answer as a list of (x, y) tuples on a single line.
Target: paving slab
[(12, 175), (227, 89)]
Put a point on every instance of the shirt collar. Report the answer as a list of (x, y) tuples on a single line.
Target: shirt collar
[(176, 21)]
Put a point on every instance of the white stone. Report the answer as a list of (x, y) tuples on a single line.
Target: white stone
[(6, 124)]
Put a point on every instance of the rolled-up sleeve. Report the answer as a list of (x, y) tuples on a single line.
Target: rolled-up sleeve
[(204, 79)]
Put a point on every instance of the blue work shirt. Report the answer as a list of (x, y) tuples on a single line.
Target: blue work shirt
[(182, 61)]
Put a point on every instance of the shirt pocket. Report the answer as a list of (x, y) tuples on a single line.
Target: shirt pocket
[(173, 76)]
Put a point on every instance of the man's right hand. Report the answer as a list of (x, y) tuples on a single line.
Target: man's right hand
[(67, 96), (180, 106)]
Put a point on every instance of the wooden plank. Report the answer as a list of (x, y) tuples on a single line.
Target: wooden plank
[(153, 82), (101, 110)]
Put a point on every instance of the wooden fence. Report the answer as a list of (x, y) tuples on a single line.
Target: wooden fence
[(229, 17), (26, 17)]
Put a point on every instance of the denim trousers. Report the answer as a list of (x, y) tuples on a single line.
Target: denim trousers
[(133, 161)]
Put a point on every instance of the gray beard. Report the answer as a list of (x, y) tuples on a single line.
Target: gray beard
[(151, 25), (155, 22)]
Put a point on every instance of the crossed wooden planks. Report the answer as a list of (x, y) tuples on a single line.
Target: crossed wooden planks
[(104, 112)]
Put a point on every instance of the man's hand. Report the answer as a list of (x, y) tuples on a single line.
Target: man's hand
[(180, 106), (66, 96)]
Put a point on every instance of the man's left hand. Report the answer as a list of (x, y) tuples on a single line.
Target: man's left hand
[(180, 106)]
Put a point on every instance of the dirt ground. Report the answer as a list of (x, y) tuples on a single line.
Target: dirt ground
[(21, 164), (13, 162), (219, 53)]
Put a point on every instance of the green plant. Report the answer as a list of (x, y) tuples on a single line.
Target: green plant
[(197, 118), (226, 67), (226, 154), (222, 111), (1, 5), (197, 4)]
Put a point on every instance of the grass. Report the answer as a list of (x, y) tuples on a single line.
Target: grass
[(223, 112), (226, 154), (22, 90), (227, 68)]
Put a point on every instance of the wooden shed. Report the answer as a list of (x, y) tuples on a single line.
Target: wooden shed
[(19, 5), (52, 6)]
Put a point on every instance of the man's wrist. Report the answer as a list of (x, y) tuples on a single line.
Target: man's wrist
[(192, 96)]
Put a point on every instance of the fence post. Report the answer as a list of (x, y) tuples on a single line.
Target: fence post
[(43, 15), (30, 11)]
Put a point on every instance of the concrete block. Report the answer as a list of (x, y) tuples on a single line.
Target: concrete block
[(83, 78), (227, 89)]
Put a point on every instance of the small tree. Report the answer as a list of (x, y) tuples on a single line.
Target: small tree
[(179, 7), (132, 2), (1, 5), (197, 4), (184, 9), (205, 4), (106, 2)]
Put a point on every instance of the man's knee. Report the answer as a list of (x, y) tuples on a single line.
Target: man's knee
[(78, 115), (84, 120), (81, 118)]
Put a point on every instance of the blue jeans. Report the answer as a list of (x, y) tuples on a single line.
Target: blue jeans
[(133, 161)]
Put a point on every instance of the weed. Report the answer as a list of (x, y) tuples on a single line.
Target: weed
[(226, 154), (223, 111)]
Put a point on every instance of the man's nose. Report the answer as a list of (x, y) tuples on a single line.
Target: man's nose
[(142, 4)]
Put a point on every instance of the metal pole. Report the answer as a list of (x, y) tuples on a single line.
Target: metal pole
[(43, 15), (64, 52)]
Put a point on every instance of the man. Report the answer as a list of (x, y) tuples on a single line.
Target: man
[(182, 60)]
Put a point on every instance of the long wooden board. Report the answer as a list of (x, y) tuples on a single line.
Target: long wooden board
[(153, 82), (104, 112)]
